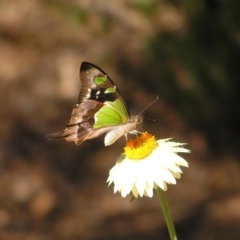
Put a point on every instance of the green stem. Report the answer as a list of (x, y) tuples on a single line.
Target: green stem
[(167, 215)]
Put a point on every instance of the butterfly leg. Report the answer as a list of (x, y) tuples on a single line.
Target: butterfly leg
[(132, 132), (126, 136)]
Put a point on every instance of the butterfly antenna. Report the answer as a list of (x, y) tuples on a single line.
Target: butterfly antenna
[(150, 119), (149, 105)]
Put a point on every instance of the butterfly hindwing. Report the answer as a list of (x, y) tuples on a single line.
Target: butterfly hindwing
[(112, 113)]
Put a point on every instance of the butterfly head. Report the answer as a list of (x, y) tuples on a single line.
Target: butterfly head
[(138, 119)]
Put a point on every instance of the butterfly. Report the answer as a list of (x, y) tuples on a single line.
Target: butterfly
[(100, 110)]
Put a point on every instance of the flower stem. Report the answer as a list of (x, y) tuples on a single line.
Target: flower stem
[(167, 215)]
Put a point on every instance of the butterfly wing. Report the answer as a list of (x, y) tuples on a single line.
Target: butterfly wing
[(100, 107), (97, 85)]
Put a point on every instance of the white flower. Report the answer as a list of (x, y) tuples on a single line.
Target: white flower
[(147, 164)]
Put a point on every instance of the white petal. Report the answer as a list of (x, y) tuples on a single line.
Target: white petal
[(149, 188), (135, 191)]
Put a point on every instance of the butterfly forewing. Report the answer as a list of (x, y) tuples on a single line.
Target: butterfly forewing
[(92, 87)]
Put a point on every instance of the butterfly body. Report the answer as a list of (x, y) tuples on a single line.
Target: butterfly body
[(130, 127), (100, 110)]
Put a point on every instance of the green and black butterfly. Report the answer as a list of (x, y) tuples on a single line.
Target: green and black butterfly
[(100, 110)]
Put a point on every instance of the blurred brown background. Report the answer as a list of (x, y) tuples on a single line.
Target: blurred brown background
[(187, 52)]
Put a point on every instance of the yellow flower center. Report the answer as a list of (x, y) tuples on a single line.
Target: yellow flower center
[(140, 147)]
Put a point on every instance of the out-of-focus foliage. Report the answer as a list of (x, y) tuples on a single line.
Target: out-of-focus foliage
[(185, 51), (199, 69)]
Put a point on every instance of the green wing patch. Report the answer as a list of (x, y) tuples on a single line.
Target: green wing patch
[(109, 90), (100, 80), (113, 113)]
